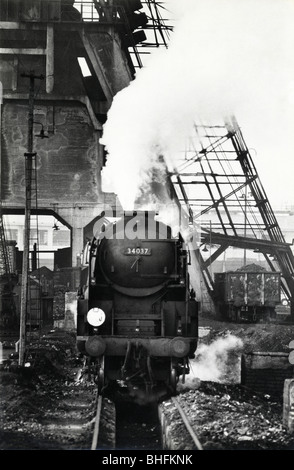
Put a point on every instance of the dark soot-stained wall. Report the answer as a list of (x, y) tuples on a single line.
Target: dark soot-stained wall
[(68, 161)]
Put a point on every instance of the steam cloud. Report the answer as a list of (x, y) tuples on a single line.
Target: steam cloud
[(218, 361), (225, 57)]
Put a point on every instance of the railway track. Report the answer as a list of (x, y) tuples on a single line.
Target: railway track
[(69, 425), (73, 416), (141, 427), (95, 438), (100, 424), (138, 426), (103, 434), (82, 420)]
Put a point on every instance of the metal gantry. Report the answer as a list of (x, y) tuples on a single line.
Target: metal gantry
[(215, 179), (142, 25), (129, 14)]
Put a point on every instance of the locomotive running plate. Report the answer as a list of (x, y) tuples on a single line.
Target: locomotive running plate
[(138, 251)]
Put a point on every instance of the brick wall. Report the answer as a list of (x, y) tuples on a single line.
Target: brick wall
[(266, 372)]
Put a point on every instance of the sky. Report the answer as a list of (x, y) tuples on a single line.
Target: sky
[(224, 57)]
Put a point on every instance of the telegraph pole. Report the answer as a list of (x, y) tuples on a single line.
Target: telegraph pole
[(28, 198)]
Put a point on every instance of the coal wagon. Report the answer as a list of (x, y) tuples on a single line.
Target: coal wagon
[(246, 295)]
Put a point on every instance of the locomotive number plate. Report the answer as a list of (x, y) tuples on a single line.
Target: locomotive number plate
[(138, 251)]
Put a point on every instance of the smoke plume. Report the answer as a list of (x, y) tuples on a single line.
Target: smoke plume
[(225, 57)]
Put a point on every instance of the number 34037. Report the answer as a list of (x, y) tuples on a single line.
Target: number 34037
[(138, 251)]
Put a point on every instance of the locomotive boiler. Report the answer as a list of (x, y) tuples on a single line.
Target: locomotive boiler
[(137, 316)]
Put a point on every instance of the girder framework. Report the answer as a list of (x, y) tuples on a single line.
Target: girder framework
[(157, 28), (216, 181), (143, 24)]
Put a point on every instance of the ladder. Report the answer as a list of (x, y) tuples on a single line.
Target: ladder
[(7, 277), (34, 317), (5, 266)]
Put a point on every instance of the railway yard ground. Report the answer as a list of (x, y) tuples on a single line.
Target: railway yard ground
[(225, 415)]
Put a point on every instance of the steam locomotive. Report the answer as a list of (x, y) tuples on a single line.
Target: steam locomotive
[(137, 318)]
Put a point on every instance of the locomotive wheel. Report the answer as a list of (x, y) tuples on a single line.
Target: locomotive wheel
[(173, 380), (100, 377)]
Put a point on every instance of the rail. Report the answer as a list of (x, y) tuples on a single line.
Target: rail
[(187, 424), (97, 424)]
